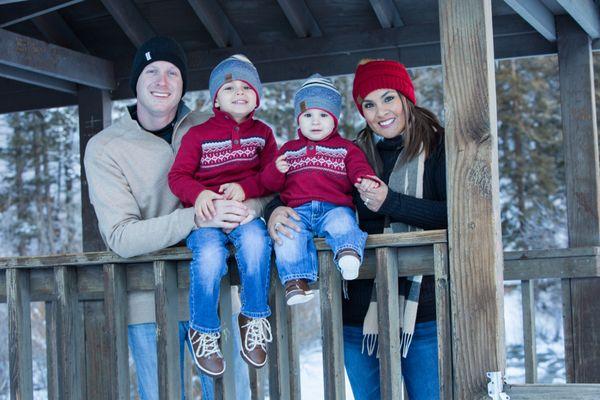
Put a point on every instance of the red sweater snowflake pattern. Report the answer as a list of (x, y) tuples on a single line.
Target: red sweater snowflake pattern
[(324, 171)]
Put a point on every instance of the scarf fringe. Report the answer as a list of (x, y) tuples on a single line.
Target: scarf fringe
[(405, 343), (371, 342)]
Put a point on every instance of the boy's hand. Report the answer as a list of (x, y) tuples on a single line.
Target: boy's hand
[(367, 184), (233, 191), (205, 209), (281, 164)]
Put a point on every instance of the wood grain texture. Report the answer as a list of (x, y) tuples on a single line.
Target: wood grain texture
[(529, 345), (443, 320), (474, 233), (95, 342), (19, 335), (553, 392), (51, 351), (69, 332), (279, 358), (331, 327), (389, 323), (227, 381), (115, 311), (167, 329), (577, 95)]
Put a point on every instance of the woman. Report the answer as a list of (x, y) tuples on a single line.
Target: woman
[(405, 145)]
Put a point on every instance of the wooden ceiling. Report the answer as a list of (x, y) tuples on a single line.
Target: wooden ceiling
[(49, 47)]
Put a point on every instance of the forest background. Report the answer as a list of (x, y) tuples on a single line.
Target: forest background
[(40, 205)]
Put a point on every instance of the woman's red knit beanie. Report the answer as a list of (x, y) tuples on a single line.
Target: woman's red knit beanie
[(381, 74)]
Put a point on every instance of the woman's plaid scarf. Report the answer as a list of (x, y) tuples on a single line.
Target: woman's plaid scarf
[(406, 178)]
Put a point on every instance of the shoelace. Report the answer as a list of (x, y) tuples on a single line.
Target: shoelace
[(258, 334), (208, 344)]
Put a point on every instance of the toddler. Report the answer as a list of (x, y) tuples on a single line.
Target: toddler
[(221, 159), (315, 174)]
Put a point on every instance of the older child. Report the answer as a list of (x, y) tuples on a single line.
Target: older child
[(222, 158), (315, 174)]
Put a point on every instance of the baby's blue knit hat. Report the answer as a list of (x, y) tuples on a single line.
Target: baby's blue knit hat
[(235, 68), (318, 92)]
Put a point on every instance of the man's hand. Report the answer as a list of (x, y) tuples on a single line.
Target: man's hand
[(229, 214)]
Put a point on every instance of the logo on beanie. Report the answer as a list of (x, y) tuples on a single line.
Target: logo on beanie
[(303, 106), (228, 77), (148, 56)]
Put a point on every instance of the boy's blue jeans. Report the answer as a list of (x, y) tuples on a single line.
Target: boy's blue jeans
[(209, 264), (297, 257)]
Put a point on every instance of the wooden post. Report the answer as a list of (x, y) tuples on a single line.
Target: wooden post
[(51, 351), (279, 357), (19, 334), (69, 333), (529, 345), (474, 234), (94, 115), (167, 329), (330, 292), (389, 323), (443, 320), (581, 309), (115, 310), (227, 340)]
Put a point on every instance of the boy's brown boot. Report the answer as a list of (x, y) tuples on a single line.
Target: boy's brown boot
[(297, 292), (206, 352), (255, 334)]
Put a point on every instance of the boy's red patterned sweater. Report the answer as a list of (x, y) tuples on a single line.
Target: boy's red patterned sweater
[(221, 151), (323, 171)]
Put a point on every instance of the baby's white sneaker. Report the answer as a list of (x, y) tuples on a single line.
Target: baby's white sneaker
[(349, 263)]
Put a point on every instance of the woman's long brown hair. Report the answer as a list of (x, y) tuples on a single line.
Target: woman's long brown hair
[(422, 127)]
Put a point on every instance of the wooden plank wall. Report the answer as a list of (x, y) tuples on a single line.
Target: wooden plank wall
[(577, 95), (474, 234)]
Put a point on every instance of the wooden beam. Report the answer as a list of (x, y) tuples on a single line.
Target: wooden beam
[(19, 334), (387, 13), (94, 115), (216, 23), (474, 233), (47, 59), (388, 322), (131, 21), (280, 381), (443, 320), (580, 135), (301, 18), (57, 31), (33, 78), (32, 9), (537, 15), (586, 13), (330, 284), (529, 333), (167, 329), (553, 392)]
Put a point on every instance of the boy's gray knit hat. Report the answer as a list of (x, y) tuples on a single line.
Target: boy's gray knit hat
[(235, 68), (318, 92)]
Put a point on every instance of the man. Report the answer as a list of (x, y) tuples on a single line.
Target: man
[(127, 166)]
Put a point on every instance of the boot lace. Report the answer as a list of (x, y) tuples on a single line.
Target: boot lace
[(258, 334), (207, 344)]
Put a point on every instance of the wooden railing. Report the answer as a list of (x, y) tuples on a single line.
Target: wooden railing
[(65, 282)]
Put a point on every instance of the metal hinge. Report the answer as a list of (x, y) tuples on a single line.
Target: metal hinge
[(496, 386)]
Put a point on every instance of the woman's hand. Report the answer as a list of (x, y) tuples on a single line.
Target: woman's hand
[(373, 197), (281, 222)]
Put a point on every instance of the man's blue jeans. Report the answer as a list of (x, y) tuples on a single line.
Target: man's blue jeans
[(209, 264), (297, 258), (142, 343), (419, 368)]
